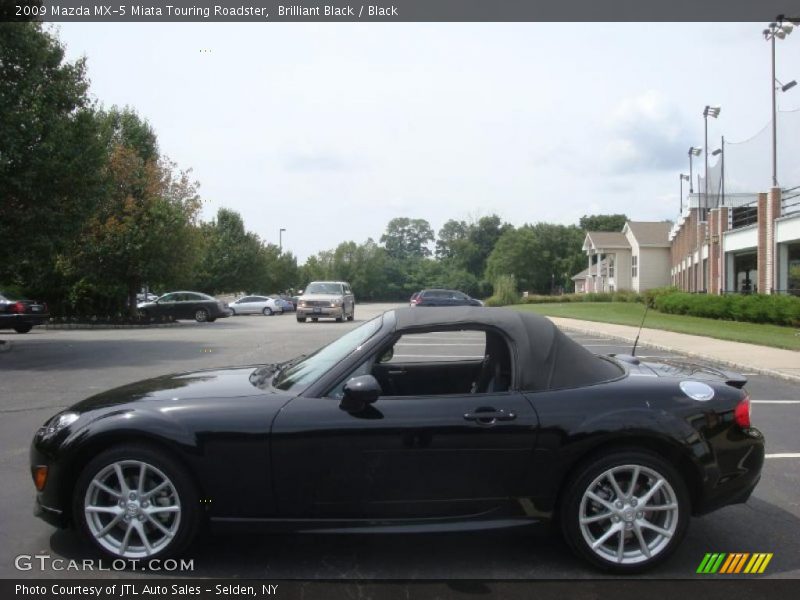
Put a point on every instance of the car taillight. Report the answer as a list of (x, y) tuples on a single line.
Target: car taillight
[(741, 414), (18, 307)]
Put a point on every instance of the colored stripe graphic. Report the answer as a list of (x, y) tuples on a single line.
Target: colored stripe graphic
[(733, 563)]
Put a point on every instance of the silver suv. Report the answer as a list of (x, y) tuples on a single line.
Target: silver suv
[(326, 300)]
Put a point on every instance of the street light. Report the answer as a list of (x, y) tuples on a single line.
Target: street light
[(683, 178), (692, 152), (708, 111), (280, 239), (721, 151), (779, 28)]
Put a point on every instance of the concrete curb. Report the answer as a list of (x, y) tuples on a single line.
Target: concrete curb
[(736, 365)]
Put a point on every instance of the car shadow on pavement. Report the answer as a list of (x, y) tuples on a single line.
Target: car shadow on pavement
[(536, 552)]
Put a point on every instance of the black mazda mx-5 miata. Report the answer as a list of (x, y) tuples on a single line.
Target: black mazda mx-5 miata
[(373, 434)]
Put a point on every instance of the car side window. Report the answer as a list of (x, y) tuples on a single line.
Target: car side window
[(439, 363), (167, 298)]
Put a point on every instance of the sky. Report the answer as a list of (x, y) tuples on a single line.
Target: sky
[(330, 130)]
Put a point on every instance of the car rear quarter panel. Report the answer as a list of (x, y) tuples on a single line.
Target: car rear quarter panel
[(652, 413)]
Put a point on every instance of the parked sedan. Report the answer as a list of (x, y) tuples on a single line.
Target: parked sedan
[(255, 305), (185, 305), (443, 298), (21, 315), (360, 436)]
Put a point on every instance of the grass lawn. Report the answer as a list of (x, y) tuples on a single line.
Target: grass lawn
[(624, 313)]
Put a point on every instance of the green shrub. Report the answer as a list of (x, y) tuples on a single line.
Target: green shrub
[(653, 293), (754, 308), (505, 292)]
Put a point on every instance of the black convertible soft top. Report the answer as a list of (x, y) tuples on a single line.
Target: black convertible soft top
[(545, 357)]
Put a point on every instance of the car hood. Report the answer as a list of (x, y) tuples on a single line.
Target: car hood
[(173, 390)]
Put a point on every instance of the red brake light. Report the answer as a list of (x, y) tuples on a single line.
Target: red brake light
[(18, 307), (741, 413)]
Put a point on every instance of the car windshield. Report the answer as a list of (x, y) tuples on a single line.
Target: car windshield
[(324, 288), (314, 366)]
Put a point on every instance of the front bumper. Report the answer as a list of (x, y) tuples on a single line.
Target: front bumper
[(336, 312)]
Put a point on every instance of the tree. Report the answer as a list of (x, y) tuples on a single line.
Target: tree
[(602, 222), (451, 236), (143, 231), (407, 238), (52, 156), (540, 256), (234, 259)]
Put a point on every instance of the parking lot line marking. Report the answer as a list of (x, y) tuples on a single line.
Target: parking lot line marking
[(775, 401), (434, 344), (783, 455), (437, 356)]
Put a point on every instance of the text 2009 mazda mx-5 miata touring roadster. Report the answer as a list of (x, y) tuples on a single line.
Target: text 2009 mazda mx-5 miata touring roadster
[(361, 437)]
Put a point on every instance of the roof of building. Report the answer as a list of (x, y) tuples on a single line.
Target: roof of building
[(650, 233), (607, 239)]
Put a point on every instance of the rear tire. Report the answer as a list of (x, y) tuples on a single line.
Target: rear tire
[(129, 511), (314, 319), (267, 312), (201, 315), (23, 327), (352, 315), (602, 516), (301, 319)]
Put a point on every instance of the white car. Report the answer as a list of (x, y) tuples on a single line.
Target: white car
[(253, 305)]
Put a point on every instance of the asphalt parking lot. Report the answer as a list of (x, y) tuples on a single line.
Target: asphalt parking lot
[(47, 370)]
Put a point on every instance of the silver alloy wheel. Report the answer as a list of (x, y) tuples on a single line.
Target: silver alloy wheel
[(200, 315), (132, 509), (628, 514), (267, 311)]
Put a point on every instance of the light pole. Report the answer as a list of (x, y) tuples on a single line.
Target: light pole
[(280, 239), (779, 28), (708, 111), (692, 153), (721, 151), (683, 178)]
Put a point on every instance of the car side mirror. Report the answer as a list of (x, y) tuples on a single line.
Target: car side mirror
[(387, 355), (360, 392)]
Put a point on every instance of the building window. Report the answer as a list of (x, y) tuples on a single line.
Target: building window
[(634, 266), (611, 262)]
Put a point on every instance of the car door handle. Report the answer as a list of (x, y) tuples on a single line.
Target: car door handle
[(397, 372), (489, 417)]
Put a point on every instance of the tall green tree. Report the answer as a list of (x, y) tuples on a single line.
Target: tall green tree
[(407, 238), (52, 156), (613, 222), (541, 257)]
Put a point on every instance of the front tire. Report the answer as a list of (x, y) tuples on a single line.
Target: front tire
[(625, 511), (134, 502), (301, 319), (23, 327)]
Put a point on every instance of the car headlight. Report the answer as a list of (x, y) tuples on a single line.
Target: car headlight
[(302, 303), (60, 421), (337, 302)]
